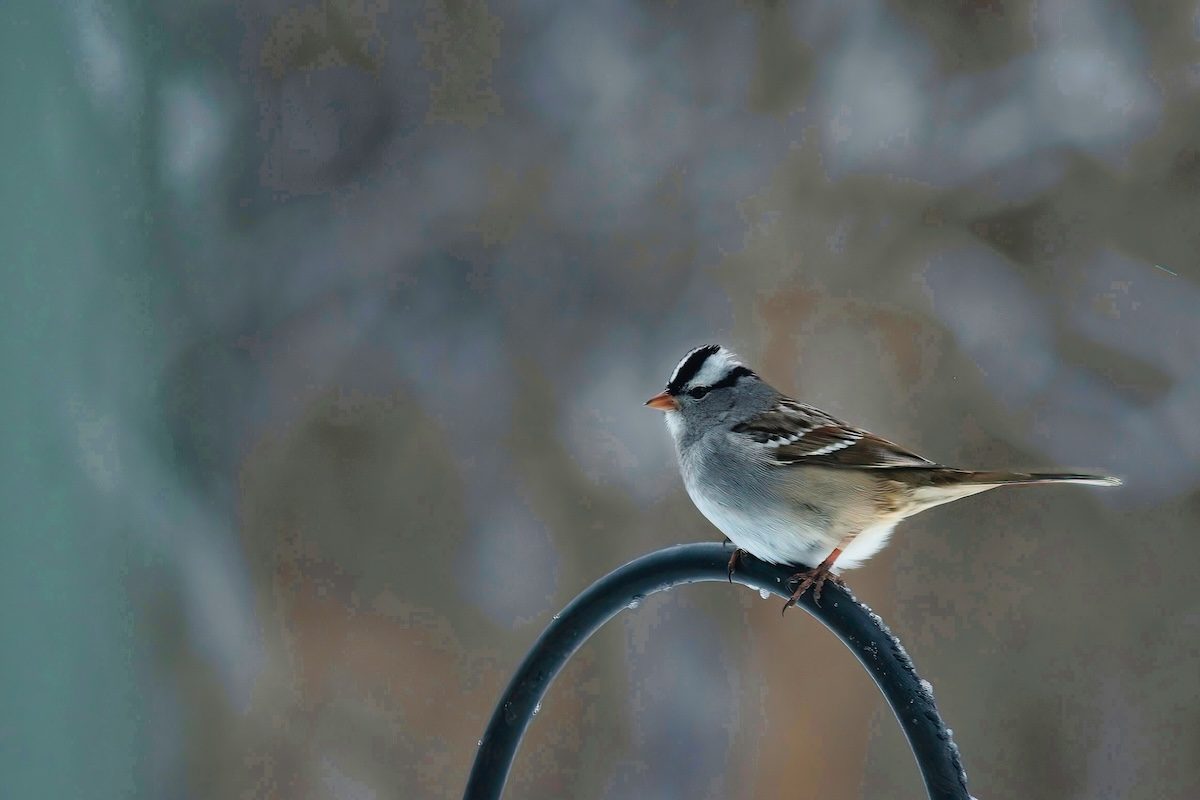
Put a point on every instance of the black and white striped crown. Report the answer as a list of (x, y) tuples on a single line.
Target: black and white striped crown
[(708, 365)]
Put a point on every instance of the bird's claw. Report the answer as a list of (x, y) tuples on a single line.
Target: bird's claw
[(733, 560), (810, 578)]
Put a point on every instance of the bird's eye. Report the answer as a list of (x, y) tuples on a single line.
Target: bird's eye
[(698, 392)]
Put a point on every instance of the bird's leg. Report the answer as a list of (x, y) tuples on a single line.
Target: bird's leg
[(733, 560), (814, 578)]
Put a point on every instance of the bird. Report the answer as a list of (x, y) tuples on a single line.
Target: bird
[(790, 484)]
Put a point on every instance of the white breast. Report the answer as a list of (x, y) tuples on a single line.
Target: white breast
[(742, 503), (770, 537)]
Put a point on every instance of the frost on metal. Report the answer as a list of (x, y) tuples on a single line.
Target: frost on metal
[(926, 694)]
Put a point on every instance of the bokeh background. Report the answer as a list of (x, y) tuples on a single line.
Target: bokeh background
[(327, 327)]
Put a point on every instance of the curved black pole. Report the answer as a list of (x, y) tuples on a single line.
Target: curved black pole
[(857, 626)]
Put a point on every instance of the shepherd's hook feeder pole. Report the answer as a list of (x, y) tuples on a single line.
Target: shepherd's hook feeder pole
[(859, 628)]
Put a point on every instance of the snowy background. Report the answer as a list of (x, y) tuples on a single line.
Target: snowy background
[(327, 327)]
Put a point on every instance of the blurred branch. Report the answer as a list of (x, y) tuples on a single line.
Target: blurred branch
[(857, 626)]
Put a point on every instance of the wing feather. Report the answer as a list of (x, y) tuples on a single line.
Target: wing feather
[(795, 433)]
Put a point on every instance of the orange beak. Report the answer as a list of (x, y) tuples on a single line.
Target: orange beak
[(663, 402)]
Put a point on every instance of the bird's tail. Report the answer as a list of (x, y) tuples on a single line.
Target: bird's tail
[(993, 478), (942, 485)]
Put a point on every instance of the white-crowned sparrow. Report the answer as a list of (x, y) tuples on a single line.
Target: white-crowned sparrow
[(790, 484)]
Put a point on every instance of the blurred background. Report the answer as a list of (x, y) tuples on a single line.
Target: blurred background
[(327, 327)]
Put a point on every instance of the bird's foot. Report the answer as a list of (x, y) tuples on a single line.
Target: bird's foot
[(811, 578), (733, 560)]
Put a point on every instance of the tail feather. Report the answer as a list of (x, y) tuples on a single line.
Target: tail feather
[(943, 485), (994, 478)]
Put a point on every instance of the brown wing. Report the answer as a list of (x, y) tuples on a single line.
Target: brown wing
[(794, 433)]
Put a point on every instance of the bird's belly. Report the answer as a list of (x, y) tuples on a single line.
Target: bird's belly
[(778, 536)]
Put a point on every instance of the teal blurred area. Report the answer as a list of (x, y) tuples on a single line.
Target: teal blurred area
[(74, 296), (325, 329)]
